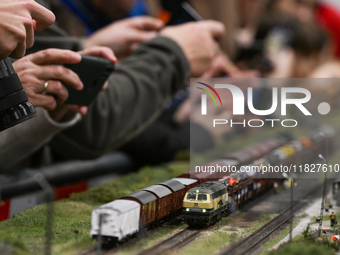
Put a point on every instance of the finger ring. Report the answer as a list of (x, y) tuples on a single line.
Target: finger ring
[(45, 87)]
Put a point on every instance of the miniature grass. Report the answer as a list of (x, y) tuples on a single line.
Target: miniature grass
[(303, 247), (256, 226), (210, 244), (10, 250), (282, 235), (25, 232), (130, 183), (263, 219), (219, 239), (229, 218), (152, 239), (230, 229)]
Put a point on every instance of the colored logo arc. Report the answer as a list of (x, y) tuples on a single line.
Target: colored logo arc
[(212, 89)]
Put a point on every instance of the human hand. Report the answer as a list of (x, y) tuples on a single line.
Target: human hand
[(36, 71), (124, 36), (62, 110), (206, 121), (97, 51), (198, 41), (221, 65), (18, 21), (103, 52)]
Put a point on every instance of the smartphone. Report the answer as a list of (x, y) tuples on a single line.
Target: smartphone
[(93, 72)]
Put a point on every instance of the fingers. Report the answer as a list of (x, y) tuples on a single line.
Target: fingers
[(58, 72), (56, 89), (26, 39), (98, 51), (46, 101), (51, 56), (144, 36), (41, 15), (19, 51), (215, 28), (106, 84), (147, 23), (146, 28), (55, 95), (80, 109), (29, 34)]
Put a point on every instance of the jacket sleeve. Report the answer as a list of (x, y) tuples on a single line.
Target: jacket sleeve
[(21, 141), (138, 90)]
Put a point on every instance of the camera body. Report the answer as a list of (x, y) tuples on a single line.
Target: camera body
[(14, 105)]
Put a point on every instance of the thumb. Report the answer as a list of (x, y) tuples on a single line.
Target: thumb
[(147, 23), (144, 36), (215, 28)]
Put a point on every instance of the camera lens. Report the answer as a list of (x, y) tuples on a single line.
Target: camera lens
[(14, 105)]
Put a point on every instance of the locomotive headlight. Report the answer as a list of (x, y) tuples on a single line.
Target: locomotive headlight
[(187, 209), (204, 210)]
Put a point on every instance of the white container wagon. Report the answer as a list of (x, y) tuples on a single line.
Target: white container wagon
[(119, 219)]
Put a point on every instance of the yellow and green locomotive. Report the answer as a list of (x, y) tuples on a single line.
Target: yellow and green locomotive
[(205, 203)]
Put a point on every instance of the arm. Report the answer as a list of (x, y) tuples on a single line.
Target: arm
[(18, 142), (23, 140), (138, 91)]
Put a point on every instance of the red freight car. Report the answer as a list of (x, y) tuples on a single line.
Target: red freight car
[(147, 202), (187, 182), (178, 190), (163, 202)]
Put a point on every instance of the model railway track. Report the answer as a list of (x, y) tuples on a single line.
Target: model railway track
[(93, 250), (174, 243), (260, 236), (255, 240)]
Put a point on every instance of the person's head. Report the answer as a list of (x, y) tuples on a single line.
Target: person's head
[(311, 48), (280, 31), (304, 10), (113, 9)]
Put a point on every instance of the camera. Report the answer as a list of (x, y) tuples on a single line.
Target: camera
[(14, 105)]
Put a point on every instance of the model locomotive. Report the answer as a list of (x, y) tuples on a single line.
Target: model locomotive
[(205, 202)]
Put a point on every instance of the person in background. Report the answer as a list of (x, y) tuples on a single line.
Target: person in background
[(333, 219), (118, 25), (161, 53), (313, 11), (124, 109)]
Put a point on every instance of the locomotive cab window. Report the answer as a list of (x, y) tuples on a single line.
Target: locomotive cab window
[(191, 196), (202, 197)]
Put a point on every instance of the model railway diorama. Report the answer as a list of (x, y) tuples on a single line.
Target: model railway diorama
[(204, 198)]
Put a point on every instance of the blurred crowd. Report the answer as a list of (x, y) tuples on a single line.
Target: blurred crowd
[(157, 46)]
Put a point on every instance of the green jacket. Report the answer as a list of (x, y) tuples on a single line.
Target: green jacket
[(139, 89)]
